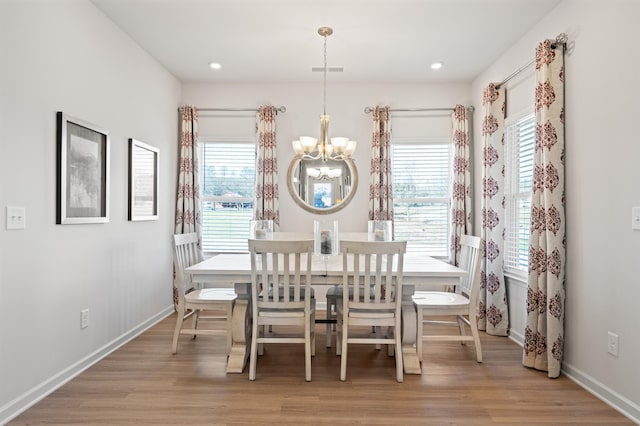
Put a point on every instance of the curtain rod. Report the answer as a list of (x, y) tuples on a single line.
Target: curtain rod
[(561, 39), (367, 110), (279, 109)]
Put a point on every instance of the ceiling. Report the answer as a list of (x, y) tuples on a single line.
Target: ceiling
[(376, 41)]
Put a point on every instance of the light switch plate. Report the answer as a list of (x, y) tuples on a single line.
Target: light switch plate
[(635, 218), (16, 217)]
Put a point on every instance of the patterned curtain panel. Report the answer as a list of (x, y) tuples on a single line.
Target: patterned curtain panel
[(266, 205), (461, 193), (544, 336), (188, 202), (380, 192), (492, 304)]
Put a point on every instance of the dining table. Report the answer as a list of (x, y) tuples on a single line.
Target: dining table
[(233, 270)]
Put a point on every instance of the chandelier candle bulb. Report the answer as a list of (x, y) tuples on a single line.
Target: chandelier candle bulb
[(339, 144)]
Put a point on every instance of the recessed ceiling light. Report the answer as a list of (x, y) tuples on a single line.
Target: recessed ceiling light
[(214, 65), (436, 65)]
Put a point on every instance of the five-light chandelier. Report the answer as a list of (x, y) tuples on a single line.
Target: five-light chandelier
[(338, 148)]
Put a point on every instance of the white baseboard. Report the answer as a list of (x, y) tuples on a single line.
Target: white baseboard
[(23, 402), (602, 392), (516, 337), (594, 387)]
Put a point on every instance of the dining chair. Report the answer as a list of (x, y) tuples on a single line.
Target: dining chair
[(281, 294), (371, 297), (462, 303), (217, 303), (377, 230)]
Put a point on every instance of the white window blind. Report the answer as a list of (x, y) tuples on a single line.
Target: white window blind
[(227, 187), (519, 162), (421, 173)]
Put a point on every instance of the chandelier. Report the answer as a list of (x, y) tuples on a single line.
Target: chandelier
[(338, 148)]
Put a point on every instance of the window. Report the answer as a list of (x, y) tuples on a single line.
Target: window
[(519, 153), (421, 173), (227, 186)]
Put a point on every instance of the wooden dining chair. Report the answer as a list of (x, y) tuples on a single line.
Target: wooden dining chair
[(281, 295), (217, 303), (374, 299), (461, 304)]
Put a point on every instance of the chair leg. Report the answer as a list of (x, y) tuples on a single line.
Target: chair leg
[(338, 334), (261, 345), (313, 327), (176, 333), (253, 358), (196, 314), (399, 365), (461, 324), (473, 323), (330, 316), (343, 353), (307, 351), (419, 333), (390, 348)]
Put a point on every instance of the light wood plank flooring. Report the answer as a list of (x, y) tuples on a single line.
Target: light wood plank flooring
[(143, 383)]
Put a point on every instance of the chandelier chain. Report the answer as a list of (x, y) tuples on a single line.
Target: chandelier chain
[(324, 102)]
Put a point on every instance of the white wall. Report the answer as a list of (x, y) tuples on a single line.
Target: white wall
[(345, 106), (67, 56), (601, 187)]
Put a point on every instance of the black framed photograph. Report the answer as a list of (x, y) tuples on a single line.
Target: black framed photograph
[(82, 178), (144, 177)]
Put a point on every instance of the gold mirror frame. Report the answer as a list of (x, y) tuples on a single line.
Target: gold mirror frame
[(295, 194)]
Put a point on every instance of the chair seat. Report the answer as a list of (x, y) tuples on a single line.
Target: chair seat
[(437, 299), (208, 295), (377, 314), (291, 291), (336, 291)]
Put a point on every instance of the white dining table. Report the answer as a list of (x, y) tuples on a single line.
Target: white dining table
[(233, 270)]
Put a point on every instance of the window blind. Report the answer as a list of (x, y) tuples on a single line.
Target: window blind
[(519, 155), (227, 187), (421, 173)]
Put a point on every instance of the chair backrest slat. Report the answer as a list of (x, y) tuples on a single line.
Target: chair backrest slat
[(469, 261), (375, 284), (186, 253), (283, 281)]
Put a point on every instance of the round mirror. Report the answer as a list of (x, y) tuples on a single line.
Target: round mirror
[(322, 187)]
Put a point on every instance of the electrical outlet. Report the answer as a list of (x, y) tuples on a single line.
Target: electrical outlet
[(635, 218), (84, 318), (612, 344), (16, 217)]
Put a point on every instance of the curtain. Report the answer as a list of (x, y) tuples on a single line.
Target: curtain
[(187, 218), (492, 305), (266, 198), (461, 190), (380, 192), (544, 334)]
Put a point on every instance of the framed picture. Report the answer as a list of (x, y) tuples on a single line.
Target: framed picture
[(143, 181), (82, 179)]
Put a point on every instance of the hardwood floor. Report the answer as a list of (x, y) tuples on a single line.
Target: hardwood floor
[(143, 383)]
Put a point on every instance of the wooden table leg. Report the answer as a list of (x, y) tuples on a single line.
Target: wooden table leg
[(240, 329), (409, 351)]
